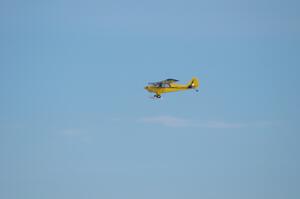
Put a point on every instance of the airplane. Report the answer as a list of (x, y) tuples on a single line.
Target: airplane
[(169, 85)]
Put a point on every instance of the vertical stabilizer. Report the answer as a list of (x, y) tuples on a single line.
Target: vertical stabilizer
[(194, 83)]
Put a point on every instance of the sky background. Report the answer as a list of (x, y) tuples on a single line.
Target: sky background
[(75, 121)]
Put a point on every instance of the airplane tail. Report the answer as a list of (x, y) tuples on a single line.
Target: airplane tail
[(194, 83)]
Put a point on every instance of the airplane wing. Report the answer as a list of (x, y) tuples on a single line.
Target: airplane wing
[(169, 81), (160, 83)]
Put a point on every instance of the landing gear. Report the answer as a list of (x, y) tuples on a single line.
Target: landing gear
[(157, 96)]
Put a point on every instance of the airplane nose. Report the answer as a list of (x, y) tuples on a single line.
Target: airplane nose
[(146, 87)]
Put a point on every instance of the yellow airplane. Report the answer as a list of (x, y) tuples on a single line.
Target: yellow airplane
[(169, 85)]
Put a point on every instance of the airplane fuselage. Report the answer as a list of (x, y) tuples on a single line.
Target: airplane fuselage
[(171, 88)]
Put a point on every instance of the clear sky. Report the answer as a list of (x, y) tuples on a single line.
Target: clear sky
[(75, 121)]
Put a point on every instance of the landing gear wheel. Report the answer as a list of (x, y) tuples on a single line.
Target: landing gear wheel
[(157, 96)]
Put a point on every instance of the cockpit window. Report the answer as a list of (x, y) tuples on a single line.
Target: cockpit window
[(165, 85)]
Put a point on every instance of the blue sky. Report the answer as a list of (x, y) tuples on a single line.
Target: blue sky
[(75, 121)]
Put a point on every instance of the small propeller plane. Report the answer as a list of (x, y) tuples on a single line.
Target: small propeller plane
[(169, 85)]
